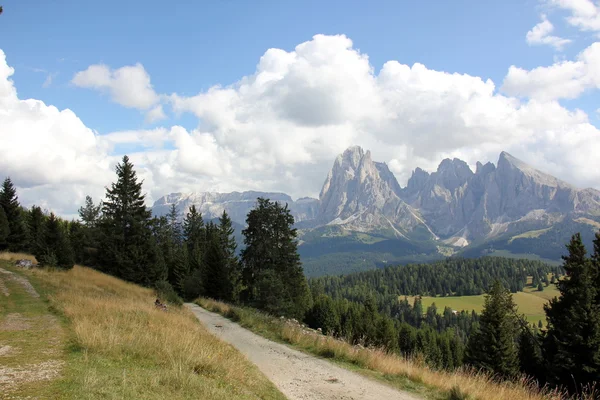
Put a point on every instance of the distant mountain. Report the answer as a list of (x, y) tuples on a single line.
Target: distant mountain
[(364, 219)]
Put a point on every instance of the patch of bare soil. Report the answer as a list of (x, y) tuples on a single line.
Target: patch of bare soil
[(12, 378), (15, 322), (22, 281), (3, 288), (7, 350)]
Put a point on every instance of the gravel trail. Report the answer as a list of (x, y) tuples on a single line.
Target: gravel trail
[(299, 376)]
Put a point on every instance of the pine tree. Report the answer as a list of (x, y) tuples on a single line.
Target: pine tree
[(17, 238), (572, 342), (215, 275), (530, 354), (175, 225), (90, 213), (493, 347), (271, 257), (4, 229), (181, 268), (37, 224), (57, 251), (127, 248), (233, 267)]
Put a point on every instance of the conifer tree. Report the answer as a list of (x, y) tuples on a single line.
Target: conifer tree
[(493, 346), (271, 261), (17, 238), (572, 342), (128, 249), (4, 229), (37, 224), (90, 213), (232, 264), (181, 268), (57, 251), (215, 278)]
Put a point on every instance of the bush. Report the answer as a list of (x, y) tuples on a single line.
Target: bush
[(165, 291)]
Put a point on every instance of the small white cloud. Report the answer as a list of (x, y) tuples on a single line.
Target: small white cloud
[(562, 80), (49, 79), (129, 86), (541, 34), (155, 114), (585, 15)]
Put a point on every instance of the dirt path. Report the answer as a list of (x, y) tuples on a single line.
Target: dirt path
[(299, 376)]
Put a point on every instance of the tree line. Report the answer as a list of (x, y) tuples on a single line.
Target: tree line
[(181, 256)]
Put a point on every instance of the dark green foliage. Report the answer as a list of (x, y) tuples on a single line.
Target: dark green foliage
[(324, 315), (4, 229), (271, 264), (90, 213), (56, 250), (192, 285), (493, 347), (180, 268), (530, 354), (165, 292), (215, 274), (572, 342), (232, 264), (17, 237), (127, 247), (540, 287), (37, 232)]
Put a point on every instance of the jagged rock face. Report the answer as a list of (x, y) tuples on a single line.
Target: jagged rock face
[(237, 204), (364, 195), (454, 201), (453, 204)]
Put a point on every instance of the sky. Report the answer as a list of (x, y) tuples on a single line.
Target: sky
[(263, 95)]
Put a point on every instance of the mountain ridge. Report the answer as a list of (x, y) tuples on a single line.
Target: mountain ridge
[(442, 212)]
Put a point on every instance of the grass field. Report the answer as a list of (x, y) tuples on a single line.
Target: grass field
[(530, 302), (92, 336)]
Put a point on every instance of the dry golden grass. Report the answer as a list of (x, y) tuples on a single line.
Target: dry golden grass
[(126, 348), (470, 383), (6, 256)]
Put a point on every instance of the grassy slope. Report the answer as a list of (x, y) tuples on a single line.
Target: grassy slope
[(405, 374), (117, 345), (529, 302)]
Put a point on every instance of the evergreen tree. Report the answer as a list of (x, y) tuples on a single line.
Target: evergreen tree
[(530, 353), (323, 314), (36, 222), (4, 229), (232, 265), (181, 268), (572, 342), (17, 238), (271, 257), (127, 248), (90, 213), (215, 279), (493, 346), (57, 251), (175, 225)]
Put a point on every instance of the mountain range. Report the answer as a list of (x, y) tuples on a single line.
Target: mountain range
[(364, 218)]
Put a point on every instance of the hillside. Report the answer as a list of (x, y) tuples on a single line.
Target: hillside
[(89, 335), (364, 219)]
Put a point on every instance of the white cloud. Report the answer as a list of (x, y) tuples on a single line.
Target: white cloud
[(280, 128), (541, 34), (128, 86), (46, 150), (584, 14), (562, 80)]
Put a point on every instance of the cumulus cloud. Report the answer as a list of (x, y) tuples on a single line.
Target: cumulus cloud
[(541, 34), (46, 150), (280, 127), (128, 86), (584, 14), (562, 80)]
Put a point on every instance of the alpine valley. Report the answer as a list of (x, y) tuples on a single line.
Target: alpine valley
[(364, 219)]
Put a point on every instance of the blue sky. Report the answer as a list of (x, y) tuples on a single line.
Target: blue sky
[(188, 47)]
